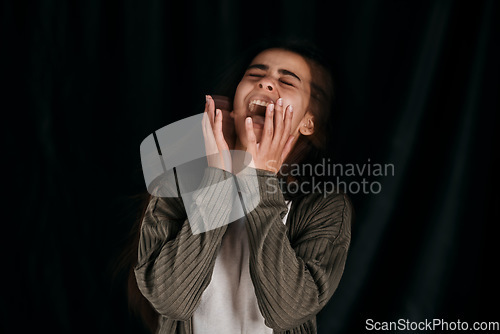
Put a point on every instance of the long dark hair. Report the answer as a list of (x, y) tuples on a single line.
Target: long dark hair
[(307, 149)]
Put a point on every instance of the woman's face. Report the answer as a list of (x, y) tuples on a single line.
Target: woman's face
[(272, 74)]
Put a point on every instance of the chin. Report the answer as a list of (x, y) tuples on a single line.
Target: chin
[(244, 143)]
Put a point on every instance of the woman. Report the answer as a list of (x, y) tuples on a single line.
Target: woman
[(274, 270)]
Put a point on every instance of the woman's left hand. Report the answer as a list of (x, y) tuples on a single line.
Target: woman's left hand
[(276, 141), (216, 147)]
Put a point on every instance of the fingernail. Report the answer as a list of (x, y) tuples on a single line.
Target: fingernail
[(271, 107), (249, 120), (280, 102), (290, 109), (206, 98), (217, 112)]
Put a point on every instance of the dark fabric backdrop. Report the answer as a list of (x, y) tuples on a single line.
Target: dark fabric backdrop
[(417, 86)]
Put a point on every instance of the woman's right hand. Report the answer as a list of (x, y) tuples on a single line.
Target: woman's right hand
[(216, 147)]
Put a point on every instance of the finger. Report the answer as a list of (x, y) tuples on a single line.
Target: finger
[(208, 135), (219, 136), (204, 121), (217, 123), (267, 135), (278, 122), (287, 127), (210, 108), (225, 157), (251, 138)]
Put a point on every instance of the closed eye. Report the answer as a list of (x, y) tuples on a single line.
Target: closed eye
[(287, 83)]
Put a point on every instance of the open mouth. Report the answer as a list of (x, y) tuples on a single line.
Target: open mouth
[(256, 106), (257, 110)]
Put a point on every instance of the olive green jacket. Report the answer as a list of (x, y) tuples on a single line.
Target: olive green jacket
[(295, 268)]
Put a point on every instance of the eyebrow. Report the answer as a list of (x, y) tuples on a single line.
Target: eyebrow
[(281, 71)]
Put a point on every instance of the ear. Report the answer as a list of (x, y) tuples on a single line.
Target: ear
[(306, 126)]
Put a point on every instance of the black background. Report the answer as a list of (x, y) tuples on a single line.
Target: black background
[(85, 83)]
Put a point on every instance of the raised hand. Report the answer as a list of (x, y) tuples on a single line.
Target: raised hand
[(276, 141), (216, 147)]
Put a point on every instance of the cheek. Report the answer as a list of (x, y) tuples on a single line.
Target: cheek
[(239, 124), (239, 97), (295, 125), (298, 113)]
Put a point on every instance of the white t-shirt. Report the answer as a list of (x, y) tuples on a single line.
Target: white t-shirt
[(229, 305)]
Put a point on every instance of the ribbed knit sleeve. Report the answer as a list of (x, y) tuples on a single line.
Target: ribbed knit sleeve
[(294, 279), (174, 265)]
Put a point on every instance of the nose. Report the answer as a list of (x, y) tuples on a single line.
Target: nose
[(266, 84), (268, 87)]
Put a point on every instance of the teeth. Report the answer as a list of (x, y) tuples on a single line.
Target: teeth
[(255, 103), (260, 103)]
